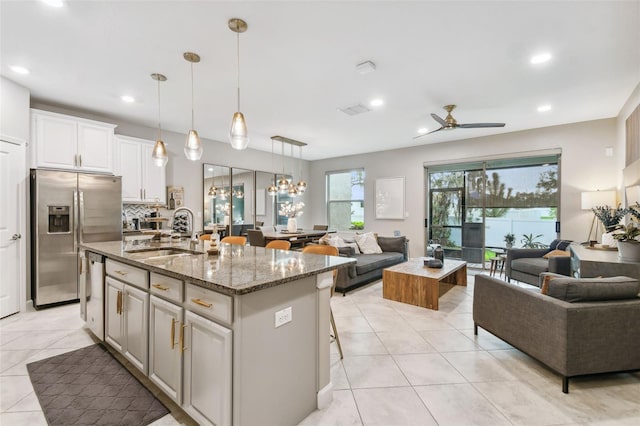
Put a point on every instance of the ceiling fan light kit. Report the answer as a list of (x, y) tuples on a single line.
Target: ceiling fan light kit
[(450, 123)]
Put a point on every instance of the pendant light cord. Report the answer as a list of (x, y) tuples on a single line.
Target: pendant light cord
[(159, 126), (191, 95), (238, 58)]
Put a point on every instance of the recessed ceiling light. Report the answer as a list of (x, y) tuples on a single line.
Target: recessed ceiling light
[(53, 3), (376, 102), (128, 99), (423, 130), (540, 58), (18, 69), (544, 108)]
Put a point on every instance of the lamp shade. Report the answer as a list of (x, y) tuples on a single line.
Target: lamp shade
[(593, 199), (238, 135), (159, 154)]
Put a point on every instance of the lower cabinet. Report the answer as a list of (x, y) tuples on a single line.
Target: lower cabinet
[(126, 328), (207, 370), (166, 340)]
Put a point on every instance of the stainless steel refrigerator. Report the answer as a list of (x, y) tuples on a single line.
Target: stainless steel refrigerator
[(67, 209)]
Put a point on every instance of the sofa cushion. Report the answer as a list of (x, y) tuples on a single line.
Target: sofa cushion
[(530, 265), (368, 244), (392, 244), (347, 251), (370, 262), (556, 252), (593, 289)]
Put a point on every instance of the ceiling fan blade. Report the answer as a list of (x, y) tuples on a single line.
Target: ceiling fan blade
[(439, 120), (425, 134), (476, 125)]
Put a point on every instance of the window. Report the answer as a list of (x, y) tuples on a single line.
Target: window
[(345, 199)]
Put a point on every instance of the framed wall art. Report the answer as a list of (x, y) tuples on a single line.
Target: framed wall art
[(389, 198)]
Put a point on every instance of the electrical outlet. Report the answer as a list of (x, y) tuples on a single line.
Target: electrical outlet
[(396, 233), (284, 316)]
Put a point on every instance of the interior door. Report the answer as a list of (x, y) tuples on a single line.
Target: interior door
[(11, 167)]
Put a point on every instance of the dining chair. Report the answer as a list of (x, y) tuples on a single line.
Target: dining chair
[(259, 223), (328, 251), (279, 244), (235, 239), (256, 238), (320, 227), (204, 237)]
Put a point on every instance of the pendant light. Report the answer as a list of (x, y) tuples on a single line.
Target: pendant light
[(159, 153), (283, 183), (238, 134), (293, 190), (222, 192), (301, 185), (193, 146), (272, 190)]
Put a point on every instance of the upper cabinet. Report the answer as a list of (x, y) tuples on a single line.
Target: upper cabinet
[(64, 142), (142, 181)]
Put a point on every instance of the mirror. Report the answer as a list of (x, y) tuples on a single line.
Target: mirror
[(217, 203), (264, 202), (243, 201)]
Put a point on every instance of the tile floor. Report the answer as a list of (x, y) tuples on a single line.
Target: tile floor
[(403, 365)]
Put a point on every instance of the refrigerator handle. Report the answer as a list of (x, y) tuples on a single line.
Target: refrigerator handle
[(75, 221), (81, 224)]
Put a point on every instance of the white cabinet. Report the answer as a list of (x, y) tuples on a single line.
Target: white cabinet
[(207, 371), (142, 181), (64, 142), (165, 346), (127, 319)]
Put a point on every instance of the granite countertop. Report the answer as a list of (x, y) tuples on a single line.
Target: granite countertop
[(235, 270)]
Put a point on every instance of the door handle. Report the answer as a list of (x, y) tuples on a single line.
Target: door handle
[(81, 213), (173, 333), (75, 221), (16, 237)]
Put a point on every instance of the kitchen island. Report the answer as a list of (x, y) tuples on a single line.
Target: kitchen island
[(238, 338)]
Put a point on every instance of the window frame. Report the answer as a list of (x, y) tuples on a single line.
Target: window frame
[(329, 202)]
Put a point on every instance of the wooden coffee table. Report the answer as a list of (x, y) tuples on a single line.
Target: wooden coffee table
[(412, 282)]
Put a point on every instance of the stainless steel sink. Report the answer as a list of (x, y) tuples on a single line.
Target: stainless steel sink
[(148, 253)]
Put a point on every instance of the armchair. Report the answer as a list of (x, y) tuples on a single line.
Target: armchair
[(526, 265)]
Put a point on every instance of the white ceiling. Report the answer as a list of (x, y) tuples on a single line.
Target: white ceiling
[(298, 65)]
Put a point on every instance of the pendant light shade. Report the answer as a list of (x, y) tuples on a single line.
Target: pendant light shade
[(272, 190), (301, 185), (238, 134), (159, 153), (193, 146), (213, 191)]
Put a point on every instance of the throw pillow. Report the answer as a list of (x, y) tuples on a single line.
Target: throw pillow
[(544, 289), (336, 241), (324, 240), (395, 244), (563, 245), (554, 253), (354, 246), (554, 244), (368, 244)]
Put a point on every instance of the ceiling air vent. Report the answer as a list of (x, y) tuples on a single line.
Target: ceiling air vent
[(354, 109)]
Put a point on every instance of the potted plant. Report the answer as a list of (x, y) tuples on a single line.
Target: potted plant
[(529, 241), (292, 211), (610, 219), (628, 244), (509, 239)]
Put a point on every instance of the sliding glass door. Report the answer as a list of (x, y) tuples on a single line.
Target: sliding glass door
[(472, 206)]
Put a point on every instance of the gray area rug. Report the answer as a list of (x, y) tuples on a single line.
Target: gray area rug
[(90, 387)]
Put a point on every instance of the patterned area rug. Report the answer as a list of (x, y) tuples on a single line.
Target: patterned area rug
[(90, 387)]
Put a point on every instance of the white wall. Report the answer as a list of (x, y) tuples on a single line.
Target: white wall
[(584, 167)]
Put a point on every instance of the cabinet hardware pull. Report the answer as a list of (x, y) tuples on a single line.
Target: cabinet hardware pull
[(144, 191), (75, 160), (80, 159), (202, 303), (182, 348), (160, 287), (121, 272), (119, 303), (141, 194), (173, 333)]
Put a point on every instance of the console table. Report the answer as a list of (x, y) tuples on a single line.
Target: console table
[(589, 263)]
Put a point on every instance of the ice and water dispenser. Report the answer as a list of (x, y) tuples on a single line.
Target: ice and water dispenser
[(59, 219)]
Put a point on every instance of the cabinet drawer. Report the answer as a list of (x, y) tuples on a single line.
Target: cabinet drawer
[(129, 274), (208, 303), (166, 287)]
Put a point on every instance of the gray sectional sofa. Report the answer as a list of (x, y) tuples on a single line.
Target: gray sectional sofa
[(582, 326), (526, 265), (368, 267)]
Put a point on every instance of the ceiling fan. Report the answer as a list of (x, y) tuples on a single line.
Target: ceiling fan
[(450, 123)]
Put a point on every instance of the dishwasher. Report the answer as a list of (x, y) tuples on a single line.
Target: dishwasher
[(92, 292)]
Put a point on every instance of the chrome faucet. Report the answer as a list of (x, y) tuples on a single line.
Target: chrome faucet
[(192, 222)]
